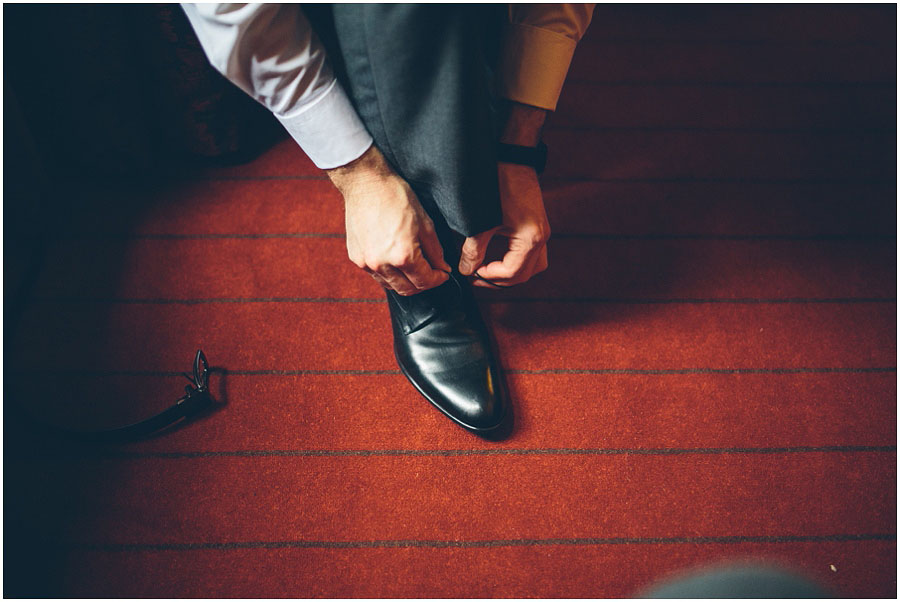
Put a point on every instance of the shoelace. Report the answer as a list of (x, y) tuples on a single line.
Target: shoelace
[(492, 283), (482, 278)]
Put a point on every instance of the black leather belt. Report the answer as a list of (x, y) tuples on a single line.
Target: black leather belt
[(196, 399)]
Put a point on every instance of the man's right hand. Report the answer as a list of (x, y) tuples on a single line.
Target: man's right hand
[(389, 235)]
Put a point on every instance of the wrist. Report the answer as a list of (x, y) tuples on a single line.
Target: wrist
[(523, 125), (371, 164)]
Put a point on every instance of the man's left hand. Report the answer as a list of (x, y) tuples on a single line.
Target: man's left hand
[(524, 224)]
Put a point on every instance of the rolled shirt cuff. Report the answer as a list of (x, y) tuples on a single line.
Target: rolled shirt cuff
[(533, 65), (329, 131)]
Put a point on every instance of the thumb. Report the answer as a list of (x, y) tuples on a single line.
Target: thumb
[(473, 251)]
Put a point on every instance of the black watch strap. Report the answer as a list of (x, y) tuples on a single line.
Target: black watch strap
[(534, 156)]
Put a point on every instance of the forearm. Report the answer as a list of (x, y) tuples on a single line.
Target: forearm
[(271, 52), (523, 124)]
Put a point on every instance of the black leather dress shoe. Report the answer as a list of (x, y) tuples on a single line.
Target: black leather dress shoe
[(442, 346)]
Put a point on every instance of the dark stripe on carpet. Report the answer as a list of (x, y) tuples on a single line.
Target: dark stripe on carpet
[(236, 372), (599, 300), (499, 452), (495, 543), (875, 236)]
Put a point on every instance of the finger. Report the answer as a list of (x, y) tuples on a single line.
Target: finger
[(473, 251), (397, 281), (376, 277), (431, 247), (542, 262), (531, 269), (534, 264), (379, 279), (521, 276), (508, 269), (420, 273)]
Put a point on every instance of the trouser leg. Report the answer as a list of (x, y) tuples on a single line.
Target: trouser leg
[(420, 78)]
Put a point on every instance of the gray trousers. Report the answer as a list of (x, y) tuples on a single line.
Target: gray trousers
[(420, 77)]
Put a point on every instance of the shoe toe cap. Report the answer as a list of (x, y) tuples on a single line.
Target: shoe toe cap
[(472, 396)]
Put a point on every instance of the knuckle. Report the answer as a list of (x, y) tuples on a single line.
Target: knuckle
[(532, 236), (401, 259), (539, 236), (545, 236), (381, 267), (404, 262)]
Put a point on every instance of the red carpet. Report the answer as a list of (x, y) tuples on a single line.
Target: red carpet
[(707, 372)]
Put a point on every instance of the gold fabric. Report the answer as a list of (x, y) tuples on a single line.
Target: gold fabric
[(537, 49)]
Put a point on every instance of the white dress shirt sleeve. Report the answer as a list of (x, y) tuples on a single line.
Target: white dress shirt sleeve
[(271, 52)]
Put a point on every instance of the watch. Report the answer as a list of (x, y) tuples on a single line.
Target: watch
[(533, 156)]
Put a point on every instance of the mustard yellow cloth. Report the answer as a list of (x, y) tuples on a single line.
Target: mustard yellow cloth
[(537, 49)]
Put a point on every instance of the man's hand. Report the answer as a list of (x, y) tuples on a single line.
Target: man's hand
[(524, 218), (524, 223), (389, 235)]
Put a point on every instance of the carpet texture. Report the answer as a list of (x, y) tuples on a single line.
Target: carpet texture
[(706, 373)]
